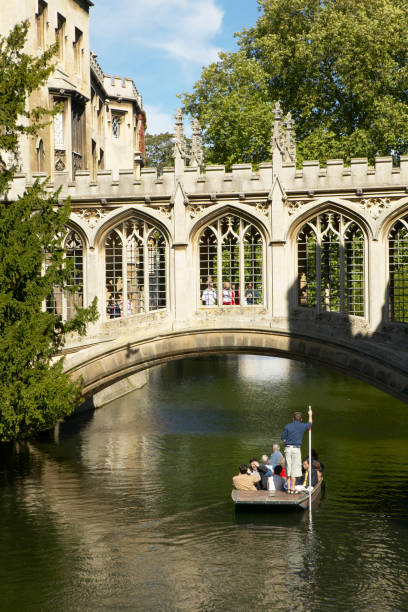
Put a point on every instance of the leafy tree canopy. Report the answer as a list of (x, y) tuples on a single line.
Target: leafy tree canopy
[(34, 391), (159, 150), (340, 67)]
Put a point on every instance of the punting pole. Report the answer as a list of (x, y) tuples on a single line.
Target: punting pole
[(310, 472)]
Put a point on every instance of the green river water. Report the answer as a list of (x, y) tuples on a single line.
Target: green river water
[(130, 508)]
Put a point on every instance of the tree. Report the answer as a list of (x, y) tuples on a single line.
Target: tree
[(159, 150), (232, 103), (340, 67), (34, 390)]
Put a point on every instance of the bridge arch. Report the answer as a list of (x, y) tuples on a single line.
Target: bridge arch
[(104, 366)]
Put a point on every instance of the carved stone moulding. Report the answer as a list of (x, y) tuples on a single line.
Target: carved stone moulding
[(60, 163), (375, 206), (196, 210), (294, 206), (92, 216), (164, 209)]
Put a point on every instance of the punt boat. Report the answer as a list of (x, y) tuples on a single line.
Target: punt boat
[(275, 500)]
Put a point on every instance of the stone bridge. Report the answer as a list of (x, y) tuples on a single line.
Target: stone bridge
[(309, 263)]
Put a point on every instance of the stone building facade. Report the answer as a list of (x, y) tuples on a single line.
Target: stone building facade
[(101, 120)]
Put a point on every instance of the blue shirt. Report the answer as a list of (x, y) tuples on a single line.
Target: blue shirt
[(274, 460), (293, 433)]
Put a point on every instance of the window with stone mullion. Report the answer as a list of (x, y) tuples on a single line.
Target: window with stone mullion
[(330, 260), (398, 272)]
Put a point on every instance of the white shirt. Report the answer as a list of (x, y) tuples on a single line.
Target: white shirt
[(209, 296)]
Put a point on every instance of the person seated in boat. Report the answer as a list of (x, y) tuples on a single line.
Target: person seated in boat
[(276, 482), (316, 465), (245, 481), (303, 482), (292, 436), (315, 457), (264, 473), (265, 461), (282, 464), (276, 455)]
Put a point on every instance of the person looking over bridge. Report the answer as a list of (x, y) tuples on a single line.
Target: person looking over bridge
[(209, 296), (251, 295), (227, 295), (245, 481), (292, 436)]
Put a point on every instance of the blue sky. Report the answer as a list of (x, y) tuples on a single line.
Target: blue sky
[(163, 45)]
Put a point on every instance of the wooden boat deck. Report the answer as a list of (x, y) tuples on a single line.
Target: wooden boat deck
[(276, 499)]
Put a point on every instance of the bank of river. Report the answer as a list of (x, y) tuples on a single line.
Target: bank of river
[(130, 508)]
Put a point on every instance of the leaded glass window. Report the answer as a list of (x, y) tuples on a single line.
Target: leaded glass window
[(398, 271), (231, 263), (135, 268), (115, 126), (63, 302), (330, 256)]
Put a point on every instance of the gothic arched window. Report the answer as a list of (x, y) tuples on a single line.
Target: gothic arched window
[(331, 264), (231, 263), (63, 302), (398, 271), (135, 269)]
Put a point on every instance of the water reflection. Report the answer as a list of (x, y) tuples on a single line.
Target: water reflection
[(131, 508)]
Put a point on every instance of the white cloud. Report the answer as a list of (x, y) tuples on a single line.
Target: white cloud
[(158, 121), (182, 28)]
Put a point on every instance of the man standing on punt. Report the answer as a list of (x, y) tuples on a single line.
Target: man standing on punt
[(292, 436)]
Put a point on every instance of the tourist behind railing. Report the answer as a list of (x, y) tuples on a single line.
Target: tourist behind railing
[(209, 296), (227, 295), (251, 295)]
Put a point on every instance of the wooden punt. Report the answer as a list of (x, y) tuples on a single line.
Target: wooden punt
[(277, 500)]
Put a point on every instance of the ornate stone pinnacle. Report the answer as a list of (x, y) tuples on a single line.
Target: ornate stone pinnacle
[(197, 153), (180, 149), (277, 140), (283, 139), (277, 111)]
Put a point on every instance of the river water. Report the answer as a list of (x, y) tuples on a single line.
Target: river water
[(130, 508)]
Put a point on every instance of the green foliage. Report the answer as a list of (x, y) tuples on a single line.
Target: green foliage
[(232, 103), (34, 391), (339, 66), (159, 150)]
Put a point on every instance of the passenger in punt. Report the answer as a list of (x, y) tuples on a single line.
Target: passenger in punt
[(245, 480), (279, 483), (316, 465), (276, 455), (264, 473), (315, 457), (304, 480), (266, 462), (292, 435), (282, 464)]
